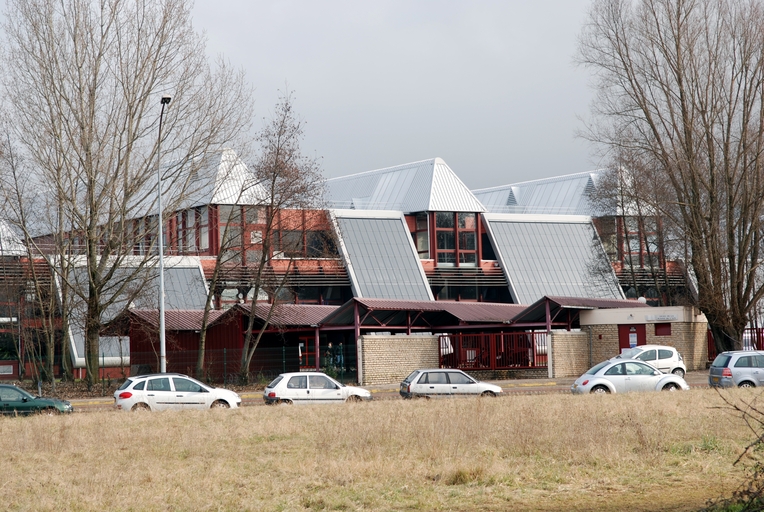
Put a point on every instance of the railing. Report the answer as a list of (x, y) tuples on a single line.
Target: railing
[(753, 339), (495, 351)]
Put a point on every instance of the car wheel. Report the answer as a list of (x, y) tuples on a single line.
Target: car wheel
[(50, 411), (286, 402), (678, 372), (220, 404), (141, 407), (353, 398), (745, 384), (488, 394), (670, 387), (600, 390)]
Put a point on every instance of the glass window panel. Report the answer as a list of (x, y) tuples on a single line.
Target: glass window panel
[(444, 220), (467, 221), (467, 241), (446, 257), (422, 242), (421, 221), (468, 293), (446, 240), (467, 258)]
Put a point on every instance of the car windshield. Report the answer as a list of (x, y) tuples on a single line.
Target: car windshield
[(629, 353), (721, 361), (596, 368)]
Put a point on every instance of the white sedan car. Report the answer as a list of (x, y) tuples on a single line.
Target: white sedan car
[(163, 391), (311, 388), (621, 376)]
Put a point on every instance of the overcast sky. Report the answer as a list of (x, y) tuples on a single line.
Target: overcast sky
[(489, 86)]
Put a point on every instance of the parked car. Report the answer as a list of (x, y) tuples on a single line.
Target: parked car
[(620, 376), (666, 359), (17, 401), (445, 382), (742, 368), (311, 388), (163, 391)]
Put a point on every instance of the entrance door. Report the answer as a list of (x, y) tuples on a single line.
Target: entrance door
[(631, 335)]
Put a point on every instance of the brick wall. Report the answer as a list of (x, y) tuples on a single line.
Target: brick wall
[(390, 359), (570, 349)]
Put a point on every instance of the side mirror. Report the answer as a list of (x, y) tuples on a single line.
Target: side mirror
[(657, 372)]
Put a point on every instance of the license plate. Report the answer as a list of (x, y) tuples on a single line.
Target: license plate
[(715, 379)]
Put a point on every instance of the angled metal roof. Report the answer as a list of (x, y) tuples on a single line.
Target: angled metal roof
[(177, 319), (428, 185), (566, 309), (560, 195), (396, 314), (551, 255), (185, 289), (290, 315), (380, 256)]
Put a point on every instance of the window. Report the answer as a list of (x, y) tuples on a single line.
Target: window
[(190, 231), (638, 369), (298, 382), (615, 370), (140, 386), (422, 236), (321, 382), (744, 362), (162, 384), (647, 355), (459, 378), (665, 354), (437, 378), (663, 329), (186, 385), (203, 226)]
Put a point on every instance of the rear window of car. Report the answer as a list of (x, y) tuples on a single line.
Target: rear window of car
[(665, 354), (721, 361), (596, 368), (125, 385), (411, 376), (275, 381), (140, 385), (458, 378)]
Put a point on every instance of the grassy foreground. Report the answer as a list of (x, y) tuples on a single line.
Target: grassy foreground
[(665, 451)]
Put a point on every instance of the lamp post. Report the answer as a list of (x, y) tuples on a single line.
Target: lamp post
[(162, 345)]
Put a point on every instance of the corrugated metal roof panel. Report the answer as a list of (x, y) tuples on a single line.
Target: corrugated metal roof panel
[(560, 195), (428, 185), (380, 256), (552, 255), (177, 319), (483, 311), (291, 315)]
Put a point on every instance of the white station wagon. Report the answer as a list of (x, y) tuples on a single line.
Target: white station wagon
[(163, 391)]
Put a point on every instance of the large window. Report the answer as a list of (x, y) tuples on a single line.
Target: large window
[(456, 239), (422, 235)]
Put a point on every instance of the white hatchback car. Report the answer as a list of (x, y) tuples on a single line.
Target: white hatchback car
[(311, 388), (163, 391), (666, 359)]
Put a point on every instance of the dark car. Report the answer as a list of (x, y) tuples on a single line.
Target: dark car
[(17, 401)]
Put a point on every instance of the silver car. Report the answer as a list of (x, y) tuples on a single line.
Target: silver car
[(622, 376), (445, 382), (742, 368)]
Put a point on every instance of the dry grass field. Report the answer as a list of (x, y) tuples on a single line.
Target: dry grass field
[(665, 451)]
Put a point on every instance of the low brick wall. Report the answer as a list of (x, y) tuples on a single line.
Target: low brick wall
[(390, 359), (570, 349)]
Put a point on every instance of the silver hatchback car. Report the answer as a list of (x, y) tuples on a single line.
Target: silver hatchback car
[(445, 382), (742, 368)]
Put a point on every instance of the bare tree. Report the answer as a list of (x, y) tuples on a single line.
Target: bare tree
[(82, 82), (679, 86), (292, 182)]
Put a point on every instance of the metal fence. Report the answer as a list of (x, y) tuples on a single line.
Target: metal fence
[(753, 339), (494, 351)]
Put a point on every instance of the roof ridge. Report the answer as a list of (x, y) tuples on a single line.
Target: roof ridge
[(385, 169)]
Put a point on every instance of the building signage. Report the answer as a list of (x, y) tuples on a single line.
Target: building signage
[(661, 318)]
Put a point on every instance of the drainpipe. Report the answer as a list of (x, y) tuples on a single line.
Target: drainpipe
[(590, 347)]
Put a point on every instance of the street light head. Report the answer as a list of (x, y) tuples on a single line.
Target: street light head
[(166, 99)]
